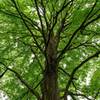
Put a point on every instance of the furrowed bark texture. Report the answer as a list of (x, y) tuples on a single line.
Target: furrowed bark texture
[(50, 84)]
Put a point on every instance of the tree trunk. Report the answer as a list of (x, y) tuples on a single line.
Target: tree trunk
[(50, 84)]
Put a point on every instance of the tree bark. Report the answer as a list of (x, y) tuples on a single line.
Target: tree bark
[(50, 84)]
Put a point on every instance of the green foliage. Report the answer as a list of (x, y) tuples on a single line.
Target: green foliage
[(16, 45)]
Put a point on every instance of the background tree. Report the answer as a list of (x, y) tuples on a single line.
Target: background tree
[(49, 49)]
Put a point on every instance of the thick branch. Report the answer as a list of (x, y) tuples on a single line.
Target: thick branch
[(55, 19)]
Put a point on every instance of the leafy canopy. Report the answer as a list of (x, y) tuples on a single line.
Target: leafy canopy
[(26, 25)]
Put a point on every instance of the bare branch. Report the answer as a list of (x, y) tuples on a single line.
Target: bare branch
[(3, 73), (26, 19), (44, 13), (55, 17), (30, 46), (38, 12), (27, 26), (65, 72), (38, 83), (75, 32), (23, 81), (33, 22), (91, 21), (64, 6), (79, 94), (79, 66)]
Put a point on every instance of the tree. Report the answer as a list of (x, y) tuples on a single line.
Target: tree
[(49, 49)]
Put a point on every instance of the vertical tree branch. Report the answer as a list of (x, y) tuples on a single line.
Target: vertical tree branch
[(38, 12)]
